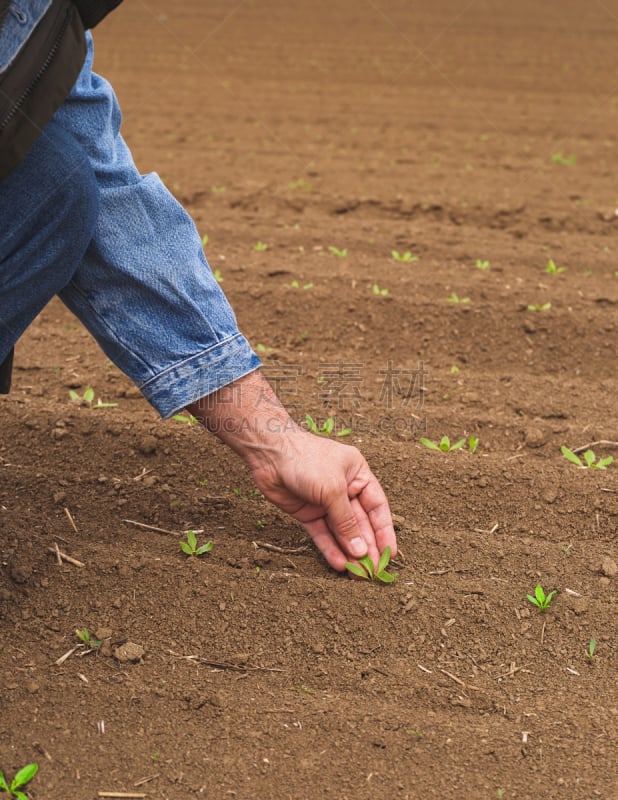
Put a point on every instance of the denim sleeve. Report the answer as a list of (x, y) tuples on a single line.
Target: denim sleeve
[(144, 289)]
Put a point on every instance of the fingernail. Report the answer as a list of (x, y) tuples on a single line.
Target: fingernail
[(358, 547)]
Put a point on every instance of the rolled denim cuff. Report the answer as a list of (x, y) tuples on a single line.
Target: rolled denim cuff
[(187, 381)]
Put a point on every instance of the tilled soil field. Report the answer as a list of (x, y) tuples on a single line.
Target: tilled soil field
[(384, 188)]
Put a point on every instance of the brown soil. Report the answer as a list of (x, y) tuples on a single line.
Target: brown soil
[(369, 127)]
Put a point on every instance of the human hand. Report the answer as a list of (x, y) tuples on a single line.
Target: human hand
[(328, 487), (324, 484)]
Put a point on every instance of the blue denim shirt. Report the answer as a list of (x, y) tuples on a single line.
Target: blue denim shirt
[(143, 288), (21, 19)]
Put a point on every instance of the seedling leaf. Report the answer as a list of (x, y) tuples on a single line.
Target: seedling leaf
[(191, 539), (570, 455), (311, 424), (185, 548), (24, 775), (367, 563), (603, 463), (356, 570), (458, 444), (3, 784), (205, 548), (385, 577), (384, 559)]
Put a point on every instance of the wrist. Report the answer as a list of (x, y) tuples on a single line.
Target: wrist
[(249, 417)]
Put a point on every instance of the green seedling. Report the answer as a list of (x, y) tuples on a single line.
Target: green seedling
[(539, 307), (24, 776), (367, 570), (483, 265), (552, 269), (86, 638), (444, 444), (592, 646), (296, 285), (190, 548), (454, 369), (217, 275), (541, 600), (335, 251), (455, 298), (564, 161), (260, 524), (590, 460), (326, 428), (204, 240), (301, 183), (188, 419), (261, 348), (217, 189), (380, 292), (260, 247), (88, 398), (473, 443), (406, 257)]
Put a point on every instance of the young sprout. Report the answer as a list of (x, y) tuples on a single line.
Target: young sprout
[(335, 251), (88, 398), (406, 257), (592, 646), (539, 306), (473, 443), (444, 445), (327, 427), (381, 292), (190, 547), (455, 298), (564, 161), (188, 419), (367, 570), (541, 600), (552, 269), (262, 348), (483, 265), (86, 638), (204, 240), (24, 776), (217, 275), (301, 183), (590, 460), (260, 247), (454, 369)]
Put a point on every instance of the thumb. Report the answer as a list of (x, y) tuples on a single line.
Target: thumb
[(344, 526)]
